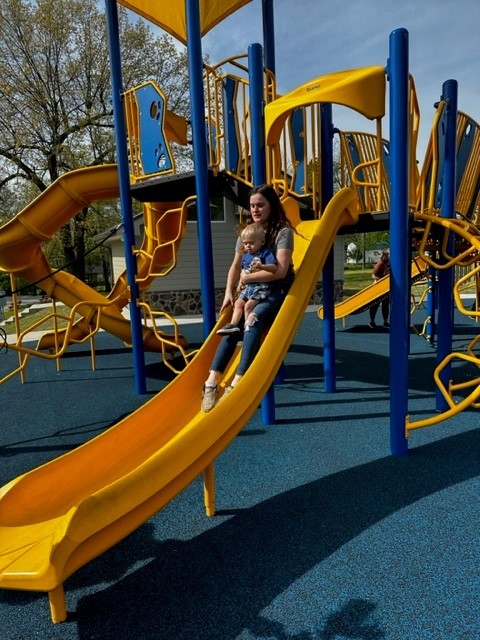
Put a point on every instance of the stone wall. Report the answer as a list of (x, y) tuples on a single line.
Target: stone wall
[(189, 303)]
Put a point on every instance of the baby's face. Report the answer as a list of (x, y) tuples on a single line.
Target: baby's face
[(252, 245)]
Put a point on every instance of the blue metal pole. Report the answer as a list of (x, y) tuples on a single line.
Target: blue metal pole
[(328, 285), (431, 304), (257, 120), (446, 276), (259, 169), (197, 100), (125, 197), (399, 246), (269, 34)]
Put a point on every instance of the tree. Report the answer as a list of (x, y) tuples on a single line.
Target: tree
[(55, 96)]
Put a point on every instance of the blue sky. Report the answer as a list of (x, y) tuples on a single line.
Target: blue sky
[(314, 37)]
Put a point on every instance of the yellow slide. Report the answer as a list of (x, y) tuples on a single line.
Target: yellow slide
[(372, 294), (56, 518), (21, 251)]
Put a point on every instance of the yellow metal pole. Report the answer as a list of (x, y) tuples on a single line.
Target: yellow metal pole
[(209, 489)]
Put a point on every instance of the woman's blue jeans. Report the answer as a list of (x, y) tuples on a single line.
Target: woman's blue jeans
[(264, 312)]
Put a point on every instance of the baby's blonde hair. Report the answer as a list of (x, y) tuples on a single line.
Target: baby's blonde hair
[(253, 230)]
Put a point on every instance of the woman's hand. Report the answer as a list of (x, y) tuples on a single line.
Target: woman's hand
[(232, 280), (229, 299), (241, 281)]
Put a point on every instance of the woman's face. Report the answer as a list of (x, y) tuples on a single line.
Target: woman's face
[(259, 209)]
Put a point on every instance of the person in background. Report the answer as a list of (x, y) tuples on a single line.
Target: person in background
[(267, 211), (380, 270)]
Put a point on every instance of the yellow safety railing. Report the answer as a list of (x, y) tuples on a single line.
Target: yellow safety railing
[(295, 160), (152, 317), (466, 235), (232, 112), (362, 165), (361, 161), (165, 239), (468, 193), (68, 320)]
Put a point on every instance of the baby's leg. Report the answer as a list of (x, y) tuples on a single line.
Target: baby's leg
[(234, 325), (249, 315), (238, 310)]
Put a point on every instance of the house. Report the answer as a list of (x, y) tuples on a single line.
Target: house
[(179, 292)]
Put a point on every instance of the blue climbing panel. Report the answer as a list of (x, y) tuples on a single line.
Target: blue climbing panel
[(155, 152)]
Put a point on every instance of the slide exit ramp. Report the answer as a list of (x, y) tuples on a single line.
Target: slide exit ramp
[(373, 294)]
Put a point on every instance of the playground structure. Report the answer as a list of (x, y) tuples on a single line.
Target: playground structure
[(56, 518), (373, 294), (365, 167), (22, 257), (440, 243)]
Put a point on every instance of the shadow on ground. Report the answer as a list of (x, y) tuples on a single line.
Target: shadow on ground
[(217, 584)]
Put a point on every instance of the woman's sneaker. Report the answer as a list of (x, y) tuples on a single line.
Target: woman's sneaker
[(226, 391), (209, 398), (228, 328)]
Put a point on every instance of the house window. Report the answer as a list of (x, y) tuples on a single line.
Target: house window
[(217, 210)]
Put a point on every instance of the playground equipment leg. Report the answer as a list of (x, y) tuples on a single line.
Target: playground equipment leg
[(209, 489), (58, 607)]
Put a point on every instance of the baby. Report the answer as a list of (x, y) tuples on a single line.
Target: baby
[(256, 257)]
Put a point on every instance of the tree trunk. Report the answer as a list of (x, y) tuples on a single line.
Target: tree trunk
[(79, 243)]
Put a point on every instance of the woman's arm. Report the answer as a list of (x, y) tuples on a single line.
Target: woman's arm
[(284, 260), (271, 268), (233, 278), (257, 265)]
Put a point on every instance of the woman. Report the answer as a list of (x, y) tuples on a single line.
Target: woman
[(380, 270), (266, 210)]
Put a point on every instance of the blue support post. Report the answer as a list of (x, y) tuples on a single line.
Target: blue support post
[(446, 276), (431, 304), (197, 101), (399, 240), (328, 286), (125, 197), (268, 403), (268, 34), (259, 170), (257, 111)]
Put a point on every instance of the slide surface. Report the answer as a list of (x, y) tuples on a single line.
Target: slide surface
[(59, 516), (372, 294), (21, 251)]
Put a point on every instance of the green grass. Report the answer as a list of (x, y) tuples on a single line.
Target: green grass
[(356, 279), (27, 320)]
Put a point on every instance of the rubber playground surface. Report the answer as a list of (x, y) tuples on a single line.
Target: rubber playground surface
[(320, 534)]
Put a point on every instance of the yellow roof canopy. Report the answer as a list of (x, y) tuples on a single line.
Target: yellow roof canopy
[(171, 15), (360, 89)]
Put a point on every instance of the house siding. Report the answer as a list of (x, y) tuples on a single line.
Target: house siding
[(179, 292)]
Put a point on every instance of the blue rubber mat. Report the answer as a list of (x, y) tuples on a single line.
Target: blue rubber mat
[(320, 533)]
